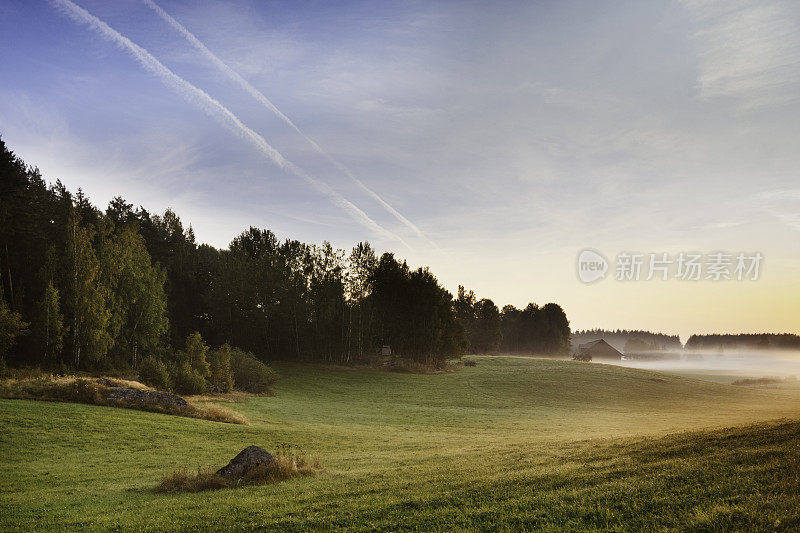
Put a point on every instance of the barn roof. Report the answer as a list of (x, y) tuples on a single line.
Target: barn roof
[(587, 345), (599, 346)]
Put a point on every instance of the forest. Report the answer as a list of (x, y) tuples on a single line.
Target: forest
[(629, 339), (750, 341), (85, 289)]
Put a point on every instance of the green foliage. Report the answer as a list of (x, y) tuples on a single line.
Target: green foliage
[(50, 326), (250, 374), (195, 355), (188, 380), (221, 378), (108, 287), (154, 372), (536, 330), (414, 314), (486, 333), (11, 327), (89, 297), (138, 302)]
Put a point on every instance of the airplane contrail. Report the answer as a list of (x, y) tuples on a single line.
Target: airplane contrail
[(263, 100), (216, 110)]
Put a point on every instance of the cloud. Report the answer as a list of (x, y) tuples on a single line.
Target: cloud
[(264, 101), (750, 51), (783, 204), (217, 111)]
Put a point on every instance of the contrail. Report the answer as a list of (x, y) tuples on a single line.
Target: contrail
[(263, 100), (216, 110)]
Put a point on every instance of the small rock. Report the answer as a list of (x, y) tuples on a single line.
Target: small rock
[(248, 459)]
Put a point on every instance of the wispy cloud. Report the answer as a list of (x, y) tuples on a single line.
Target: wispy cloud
[(750, 50), (216, 110), (783, 204), (264, 101)]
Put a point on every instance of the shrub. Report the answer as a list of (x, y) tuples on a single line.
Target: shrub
[(195, 355), (81, 391), (188, 380), (3, 368), (221, 379), (154, 373), (250, 374), (470, 362)]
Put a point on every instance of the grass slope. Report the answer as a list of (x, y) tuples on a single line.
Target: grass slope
[(511, 444)]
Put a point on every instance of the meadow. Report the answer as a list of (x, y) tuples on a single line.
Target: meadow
[(510, 444)]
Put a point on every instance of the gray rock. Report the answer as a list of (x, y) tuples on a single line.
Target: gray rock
[(248, 459), (149, 397)]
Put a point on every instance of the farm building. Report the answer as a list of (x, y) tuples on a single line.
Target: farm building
[(597, 349)]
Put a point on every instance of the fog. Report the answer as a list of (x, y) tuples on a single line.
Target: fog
[(725, 367)]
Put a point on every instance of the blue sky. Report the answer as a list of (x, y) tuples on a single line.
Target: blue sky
[(509, 136)]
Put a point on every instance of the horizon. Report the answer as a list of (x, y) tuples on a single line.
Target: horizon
[(495, 172)]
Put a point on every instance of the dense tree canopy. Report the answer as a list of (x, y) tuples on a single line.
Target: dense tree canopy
[(542, 330), (619, 338), (752, 341), (126, 288)]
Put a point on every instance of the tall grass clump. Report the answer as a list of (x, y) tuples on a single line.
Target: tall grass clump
[(289, 462)]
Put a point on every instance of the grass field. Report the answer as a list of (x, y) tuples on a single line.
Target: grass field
[(512, 443)]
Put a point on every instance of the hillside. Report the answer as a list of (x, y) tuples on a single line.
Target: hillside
[(556, 442)]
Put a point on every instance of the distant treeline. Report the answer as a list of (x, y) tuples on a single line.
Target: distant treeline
[(83, 288), (629, 340), (533, 330), (756, 341)]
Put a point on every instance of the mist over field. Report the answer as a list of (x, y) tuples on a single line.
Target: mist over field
[(726, 366), (399, 266)]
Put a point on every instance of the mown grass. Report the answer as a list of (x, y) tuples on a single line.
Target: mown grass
[(511, 444), (95, 391)]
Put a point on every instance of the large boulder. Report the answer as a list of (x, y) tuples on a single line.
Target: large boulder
[(148, 397), (248, 459)]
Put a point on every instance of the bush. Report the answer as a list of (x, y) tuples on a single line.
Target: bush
[(250, 374), (188, 380), (221, 379), (81, 391), (154, 373), (470, 362), (195, 354)]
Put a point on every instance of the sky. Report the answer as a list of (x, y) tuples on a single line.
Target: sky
[(491, 141)]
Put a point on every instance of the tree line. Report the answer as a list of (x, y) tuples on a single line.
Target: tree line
[(756, 341), (639, 340), (89, 289)]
